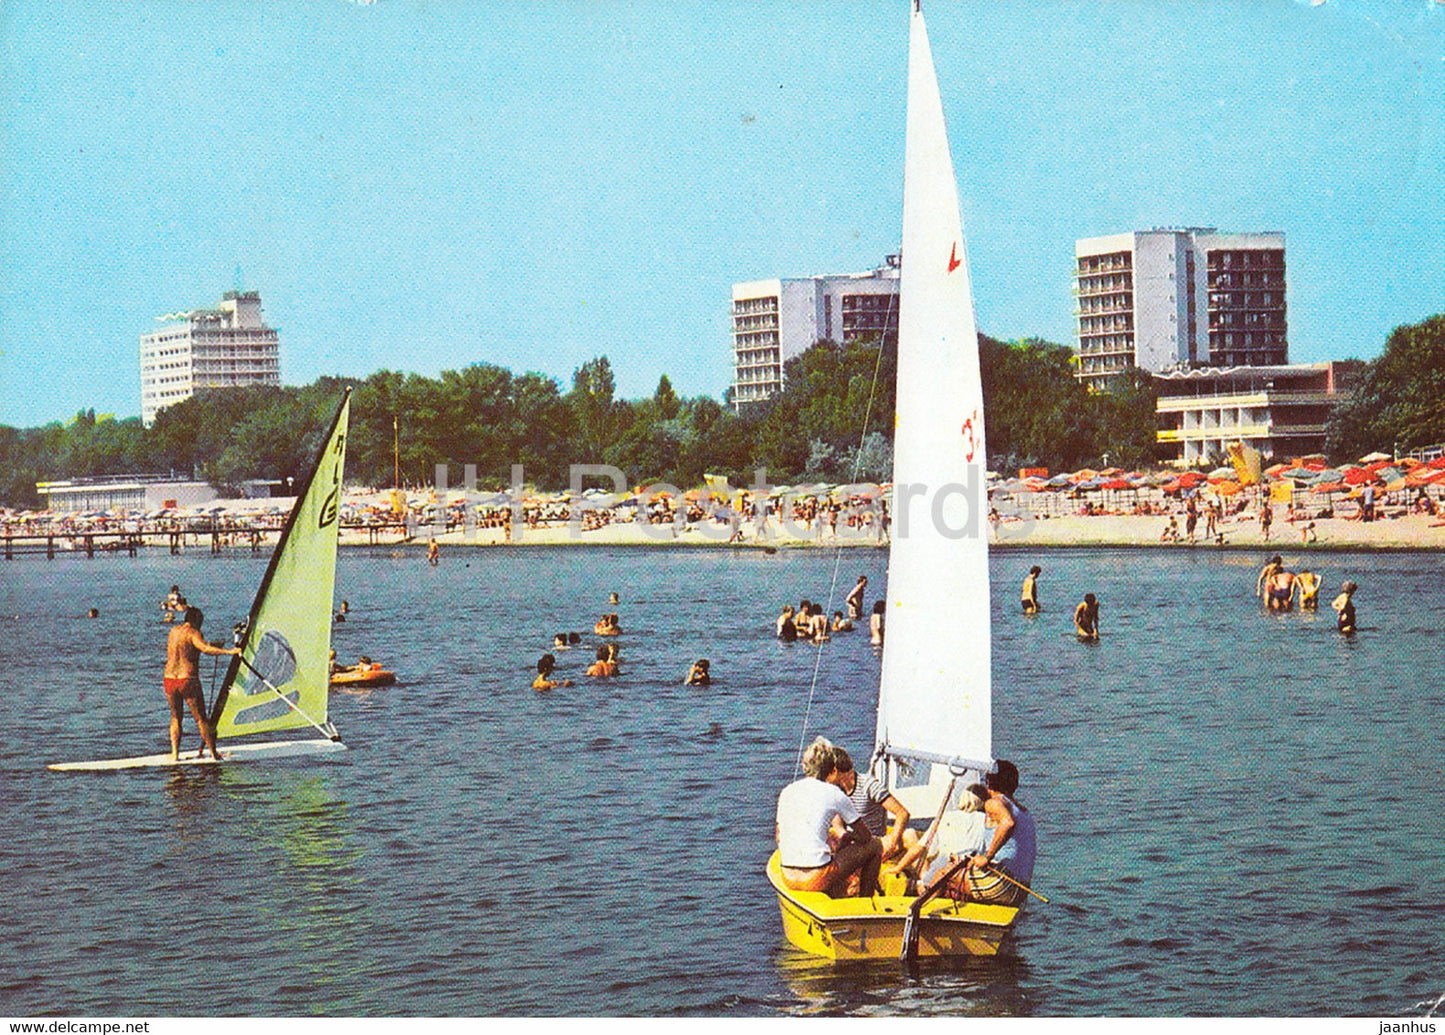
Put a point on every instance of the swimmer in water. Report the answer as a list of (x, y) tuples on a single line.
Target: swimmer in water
[(604, 667), (1031, 591), (1281, 591), (1309, 587), (1344, 605), (1086, 619), (698, 675), (1270, 569), (544, 681)]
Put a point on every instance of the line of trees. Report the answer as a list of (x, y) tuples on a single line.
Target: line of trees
[(832, 422)]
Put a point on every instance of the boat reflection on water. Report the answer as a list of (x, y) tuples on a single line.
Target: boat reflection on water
[(960, 986)]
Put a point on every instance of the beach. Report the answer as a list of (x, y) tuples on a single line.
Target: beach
[(1404, 532)]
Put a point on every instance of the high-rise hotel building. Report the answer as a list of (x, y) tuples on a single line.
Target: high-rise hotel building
[(207, 348), (775, 320), (1176, 299)]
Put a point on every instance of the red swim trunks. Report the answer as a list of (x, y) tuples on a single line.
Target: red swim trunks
[(187, 686)]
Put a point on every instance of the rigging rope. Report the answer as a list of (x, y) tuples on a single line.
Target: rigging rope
[(889, 320)]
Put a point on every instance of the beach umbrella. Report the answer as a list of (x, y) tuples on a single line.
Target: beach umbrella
[(1358, 476), (1373, 458)]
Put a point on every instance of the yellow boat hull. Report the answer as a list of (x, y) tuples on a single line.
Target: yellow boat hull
[(872, 928)]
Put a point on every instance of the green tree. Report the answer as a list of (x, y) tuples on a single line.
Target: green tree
[(1397, 399)]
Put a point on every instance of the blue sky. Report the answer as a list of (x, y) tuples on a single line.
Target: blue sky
[(419, 185)]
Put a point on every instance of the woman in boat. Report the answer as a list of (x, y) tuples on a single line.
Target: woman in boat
[(822, 840), (996, 873), (956, 834)]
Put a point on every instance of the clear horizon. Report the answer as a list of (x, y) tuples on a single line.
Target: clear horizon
[(419, 186)]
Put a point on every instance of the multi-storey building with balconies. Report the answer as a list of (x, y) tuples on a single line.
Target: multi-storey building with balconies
[(207, 348), (1279, 410), (775, 320), (1163, 299)]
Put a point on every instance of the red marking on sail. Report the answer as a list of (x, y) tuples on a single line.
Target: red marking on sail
[(953, 262)]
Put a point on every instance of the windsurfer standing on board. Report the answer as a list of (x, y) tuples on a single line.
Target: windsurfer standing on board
[(184, 645)]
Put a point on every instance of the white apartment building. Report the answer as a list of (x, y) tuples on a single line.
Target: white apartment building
[(207, 348), (1178, 298), (775, 320)]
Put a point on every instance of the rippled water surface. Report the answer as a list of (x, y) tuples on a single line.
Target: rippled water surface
[(1238, 813)]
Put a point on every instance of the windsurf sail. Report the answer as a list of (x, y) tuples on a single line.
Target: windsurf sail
[(935, 698), (280, 680)]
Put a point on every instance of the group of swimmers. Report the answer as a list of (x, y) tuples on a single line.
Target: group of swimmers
[(608, 658), (1281, 589), (1086, 613), (809, 622), (845, 834)]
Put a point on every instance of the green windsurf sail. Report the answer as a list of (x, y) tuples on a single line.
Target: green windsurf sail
[(281, 679)]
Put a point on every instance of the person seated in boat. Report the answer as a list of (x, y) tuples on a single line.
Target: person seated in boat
[(544, 681), (1086, 618), (364, 666), (1309, 590), (1280, 591), (875, 623), (996, 873), (698, 675), (840, 623), (332, 665), (822, 840), (875, 804), (1344, 605), (955, 834), (787, 630)]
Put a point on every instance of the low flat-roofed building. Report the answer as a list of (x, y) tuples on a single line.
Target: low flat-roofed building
[(1279, 410), (132, 492)]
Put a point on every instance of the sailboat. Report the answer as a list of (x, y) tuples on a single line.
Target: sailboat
[(279, 680), (934, 729)]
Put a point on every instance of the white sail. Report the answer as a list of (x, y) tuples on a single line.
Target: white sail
[(934, 702), (281, 679)]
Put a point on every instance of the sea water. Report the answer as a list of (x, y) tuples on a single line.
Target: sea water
[(1238, 812)]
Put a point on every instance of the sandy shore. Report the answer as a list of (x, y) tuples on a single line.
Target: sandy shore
[(1409, 532)]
